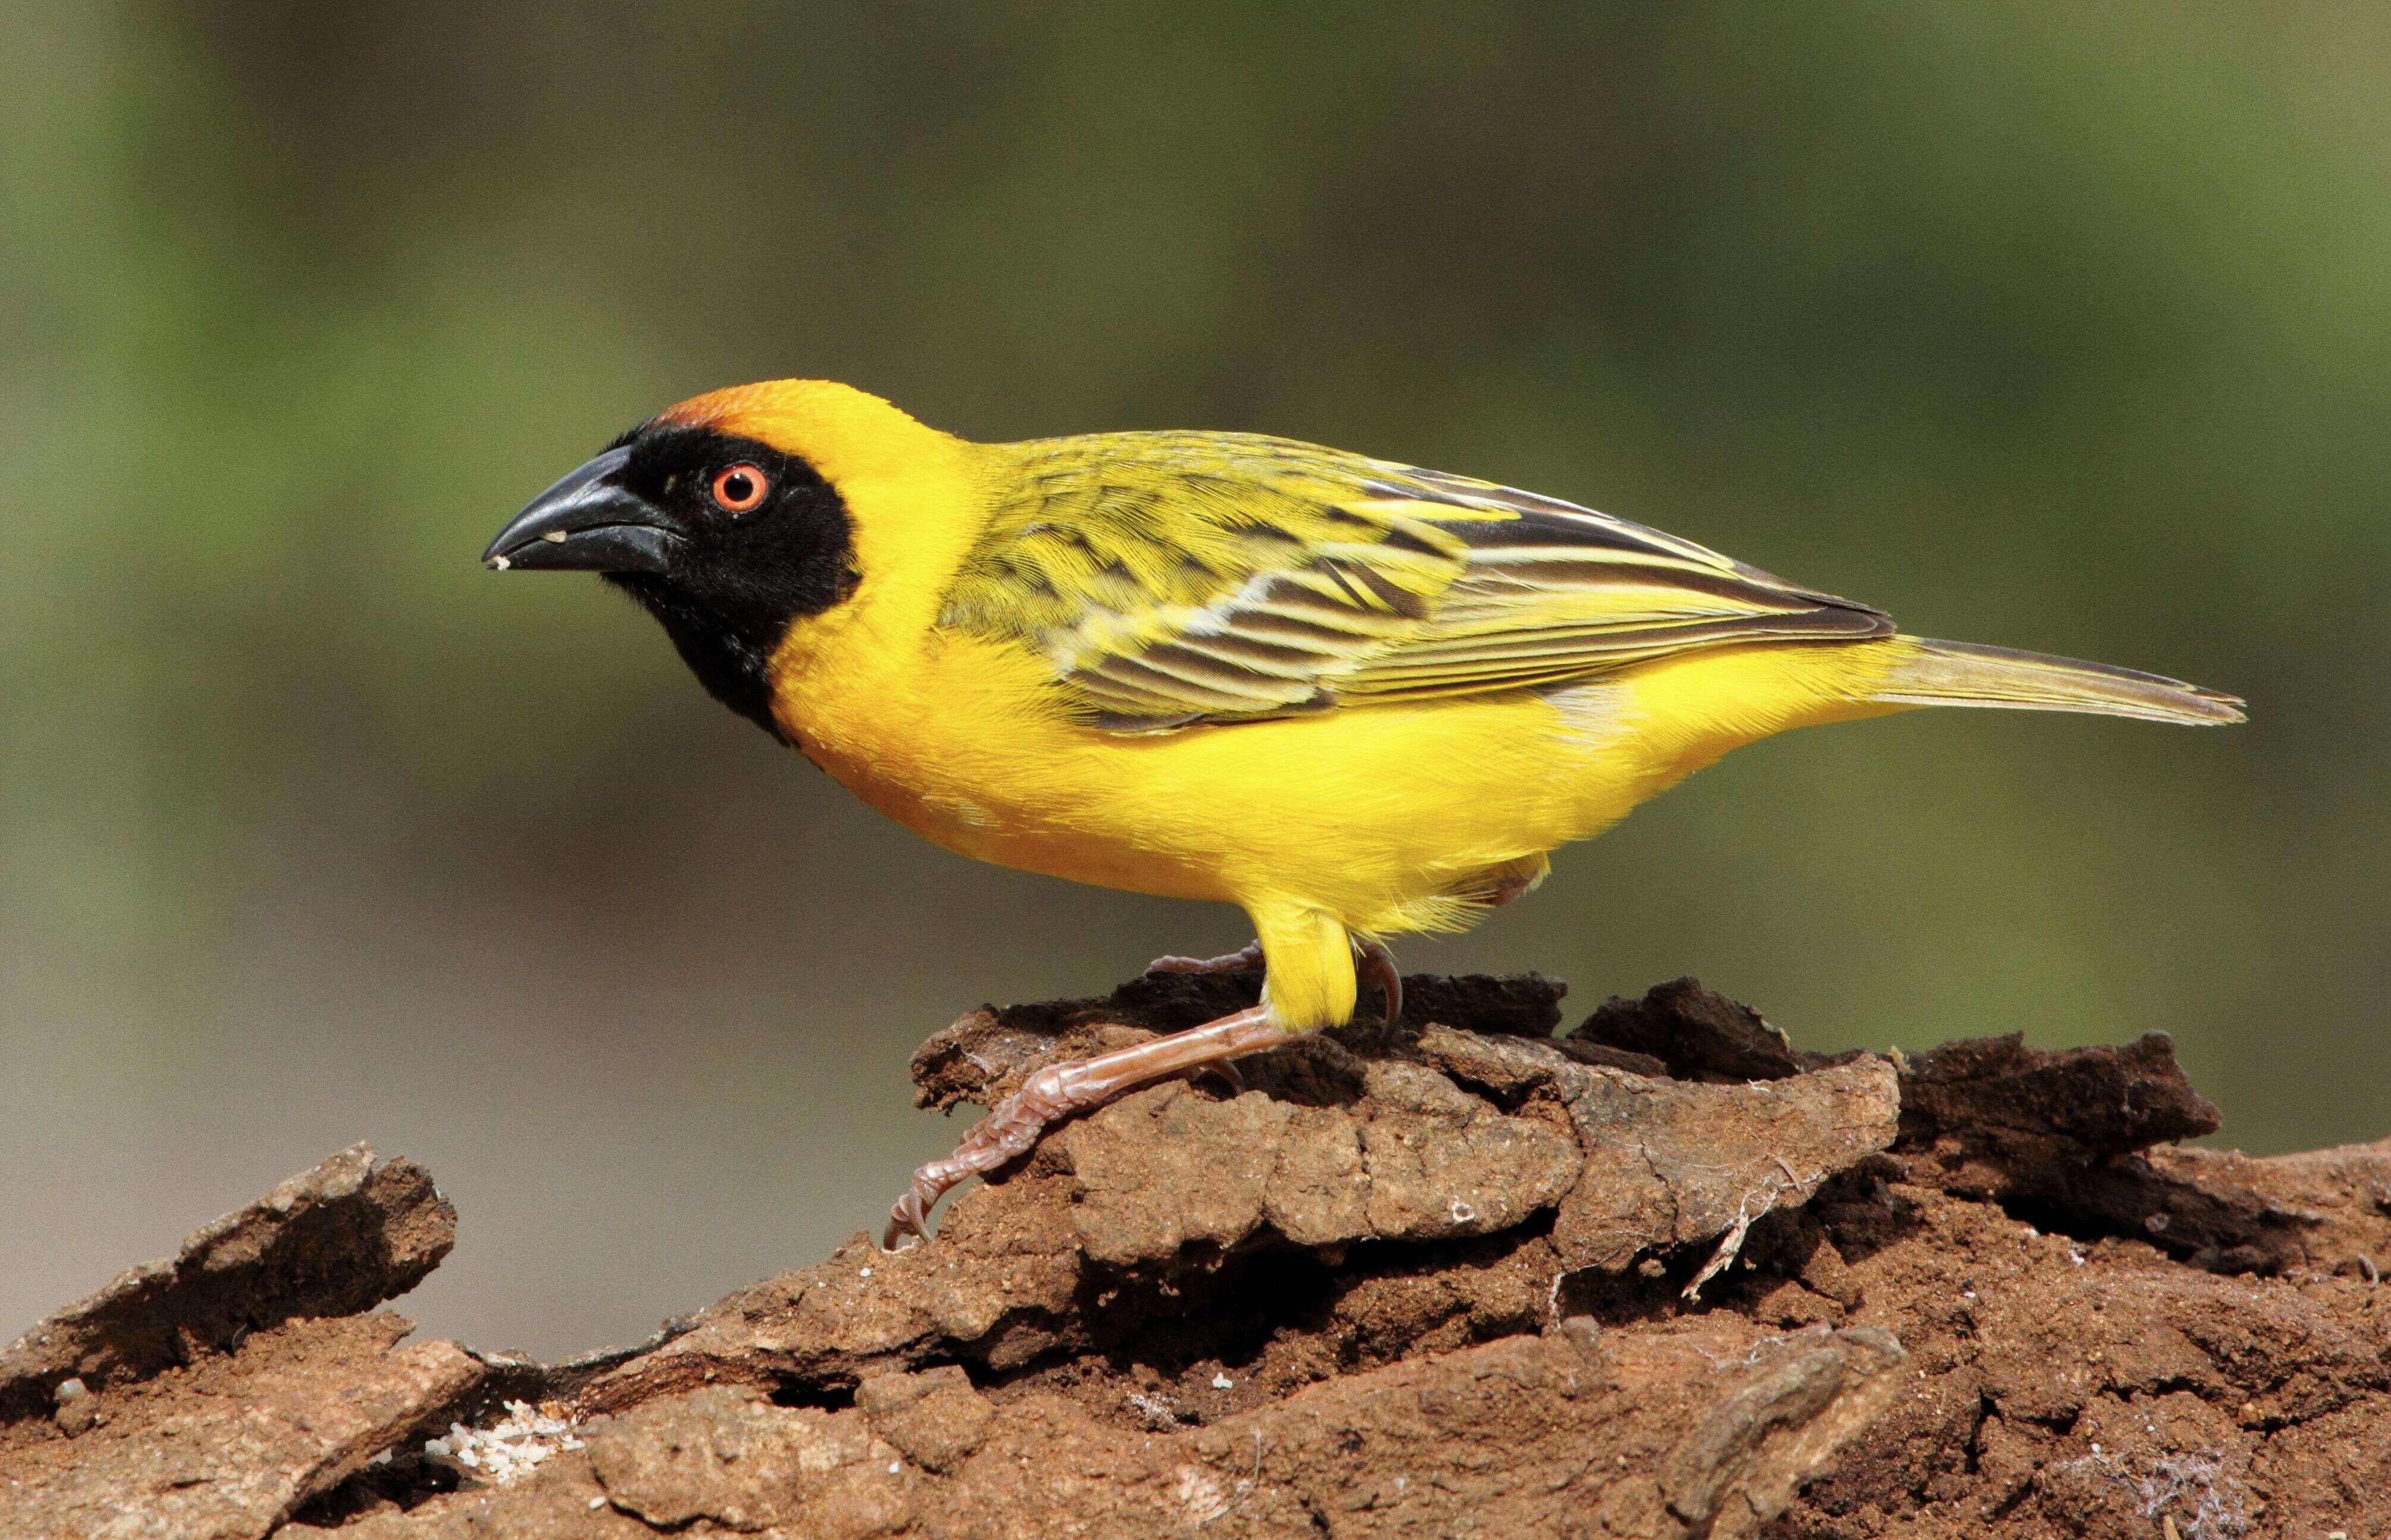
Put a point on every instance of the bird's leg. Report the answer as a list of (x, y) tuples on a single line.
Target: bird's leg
[(1247, 956), (1059, 1090)]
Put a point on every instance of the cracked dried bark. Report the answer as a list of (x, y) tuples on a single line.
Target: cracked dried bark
[(1401, 1283), (337, 1239)]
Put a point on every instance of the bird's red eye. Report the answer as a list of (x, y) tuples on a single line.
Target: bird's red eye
[(740, 488)]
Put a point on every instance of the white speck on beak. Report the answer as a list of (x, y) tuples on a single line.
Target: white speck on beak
[(500, 563), (553, 536)]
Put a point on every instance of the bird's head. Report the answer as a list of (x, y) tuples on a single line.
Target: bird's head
[(723, 518)]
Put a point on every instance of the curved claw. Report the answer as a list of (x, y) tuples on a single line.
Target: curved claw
[(1227, 1074), (1010, 1128), (1377, 964), (909, 1216)]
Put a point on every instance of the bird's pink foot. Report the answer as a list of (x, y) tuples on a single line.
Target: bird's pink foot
[(1055, 1092), (1010, 1128), (1050, 1094)]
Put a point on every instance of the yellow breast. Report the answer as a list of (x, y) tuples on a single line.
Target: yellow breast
[(1371, 813)]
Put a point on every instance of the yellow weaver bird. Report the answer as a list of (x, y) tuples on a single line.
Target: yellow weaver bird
[(1354, 697)]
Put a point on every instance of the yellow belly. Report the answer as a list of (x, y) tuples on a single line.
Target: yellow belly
[(1368, 820)]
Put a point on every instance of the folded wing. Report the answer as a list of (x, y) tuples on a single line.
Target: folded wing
[(1171, 579)]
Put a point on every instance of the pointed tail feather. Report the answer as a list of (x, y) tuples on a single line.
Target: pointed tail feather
[(1960, 673)]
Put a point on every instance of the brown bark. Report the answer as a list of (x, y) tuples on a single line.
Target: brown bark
[(1664, 1275)]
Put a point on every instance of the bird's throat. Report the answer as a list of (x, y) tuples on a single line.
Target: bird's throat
[(729, 661)]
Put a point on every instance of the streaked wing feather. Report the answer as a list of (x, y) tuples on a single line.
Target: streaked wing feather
[(1175, 579)]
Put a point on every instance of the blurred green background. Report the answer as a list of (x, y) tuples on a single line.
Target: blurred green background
[(2057, 325)]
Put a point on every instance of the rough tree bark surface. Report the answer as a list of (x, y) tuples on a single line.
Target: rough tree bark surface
[(1663, 1275)]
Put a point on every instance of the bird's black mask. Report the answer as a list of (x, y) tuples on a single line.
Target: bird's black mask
[(725, 540)]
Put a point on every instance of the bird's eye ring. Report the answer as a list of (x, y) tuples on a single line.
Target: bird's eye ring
[(740, 488)]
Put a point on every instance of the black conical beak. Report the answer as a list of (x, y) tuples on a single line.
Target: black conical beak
[(587, 522)]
